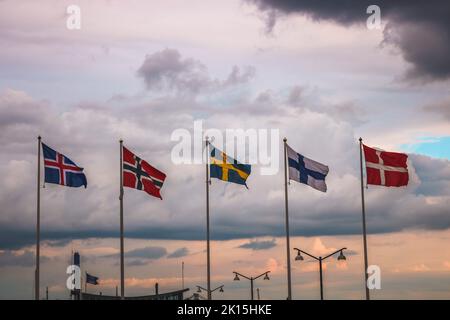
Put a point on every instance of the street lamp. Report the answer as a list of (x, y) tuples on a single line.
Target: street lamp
[(299, 256), (341, 257), (237, 274), (200, 288)]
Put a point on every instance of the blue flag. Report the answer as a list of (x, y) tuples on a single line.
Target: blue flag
[(91, 279), (61, 170)]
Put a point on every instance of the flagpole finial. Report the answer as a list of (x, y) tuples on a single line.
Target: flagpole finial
[(39, 138), (284, 139), (121, 141), (360, 139)]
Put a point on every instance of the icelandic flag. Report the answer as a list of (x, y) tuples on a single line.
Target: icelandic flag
[(307, 171), (61, 170)]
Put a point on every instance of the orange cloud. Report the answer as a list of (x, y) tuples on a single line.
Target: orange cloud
[(447, 265), (420, 268)]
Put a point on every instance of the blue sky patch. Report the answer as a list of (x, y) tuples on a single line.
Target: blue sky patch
[(436, 147)]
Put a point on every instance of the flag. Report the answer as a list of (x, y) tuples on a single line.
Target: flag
[(61, 170), (91, 279), (226, 168), (139, 174), (307, 171), (385, 168)]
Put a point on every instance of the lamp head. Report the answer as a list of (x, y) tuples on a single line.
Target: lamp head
[(299, 256), (236, 277), (221, 289), (266, 277), (341, 257), (199, 290)]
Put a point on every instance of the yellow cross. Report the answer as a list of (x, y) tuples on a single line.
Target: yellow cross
[(227, 166)]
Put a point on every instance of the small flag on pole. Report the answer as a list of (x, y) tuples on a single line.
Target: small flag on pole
[(61, 170), (228, 169), (139, 174), (307, 171), (384, 168), (91, 279)]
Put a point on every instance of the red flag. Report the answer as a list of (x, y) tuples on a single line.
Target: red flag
[(386, 168), (139, 174)]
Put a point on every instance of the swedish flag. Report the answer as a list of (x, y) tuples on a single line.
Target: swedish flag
[(228, 169)]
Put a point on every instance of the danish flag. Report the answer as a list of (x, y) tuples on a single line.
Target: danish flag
[(139, 174), (386, 168)]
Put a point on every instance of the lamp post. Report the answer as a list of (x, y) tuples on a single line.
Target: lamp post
[(200, 288), (237, 274), (299, 257)]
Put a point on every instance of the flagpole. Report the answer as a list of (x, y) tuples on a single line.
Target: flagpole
[(182, 274), (208, 251), (288, 245), (122, 266), (366, 264), (38, 222)]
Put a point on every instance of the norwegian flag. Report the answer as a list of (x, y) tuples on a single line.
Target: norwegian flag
[(61, 170), (386, 168), (139, 174)]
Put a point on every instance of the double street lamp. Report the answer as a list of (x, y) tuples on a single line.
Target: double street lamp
[(341, 257), (237, 274), (200, 288)]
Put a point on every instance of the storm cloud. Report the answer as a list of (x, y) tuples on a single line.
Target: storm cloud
[(26, 258), (180, 252), (167, 69), (89, 134), (141, 256), (259, 244), (407, 21), (441, 108)]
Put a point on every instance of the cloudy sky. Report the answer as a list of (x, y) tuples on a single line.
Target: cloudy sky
[(140, 70)]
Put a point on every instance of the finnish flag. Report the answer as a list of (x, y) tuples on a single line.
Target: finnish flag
[(307, 171)]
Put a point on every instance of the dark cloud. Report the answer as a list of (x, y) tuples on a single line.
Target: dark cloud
[(420, 29), (26, 258), (148, 253), (441, 108), (181, 252), (58, 243), (434, 175), (141, 256), (238, 76), (426, 45), (136, 262), (259, 244), (167, 69), (296, 95)]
